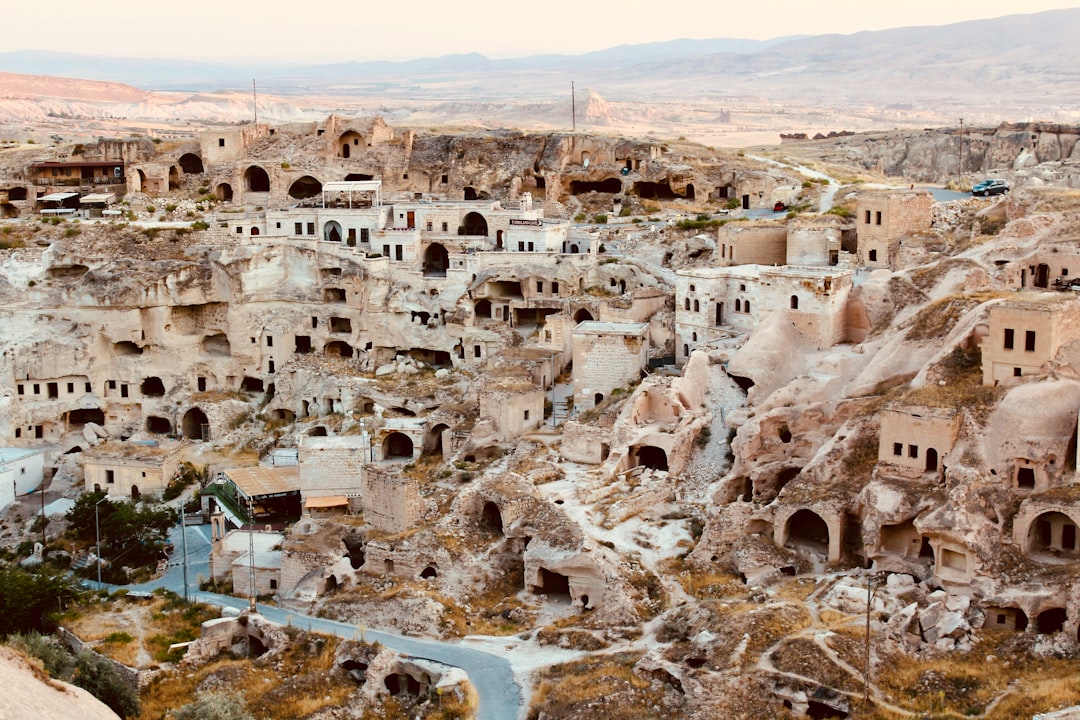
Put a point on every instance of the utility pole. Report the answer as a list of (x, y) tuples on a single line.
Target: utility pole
[(251, 553), (97, 538), (573, 108), (254, 101), (183, 542)]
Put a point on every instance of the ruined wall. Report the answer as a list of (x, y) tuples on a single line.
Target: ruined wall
[(607, 356), (740, 244), (332, 465), (884, 219), (391, 502)]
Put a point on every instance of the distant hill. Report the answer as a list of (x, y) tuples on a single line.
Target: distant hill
[(1023, 55)]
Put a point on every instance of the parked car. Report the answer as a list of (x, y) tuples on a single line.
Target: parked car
[(993, 186)]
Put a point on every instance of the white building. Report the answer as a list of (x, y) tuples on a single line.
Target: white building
[(21, 471)]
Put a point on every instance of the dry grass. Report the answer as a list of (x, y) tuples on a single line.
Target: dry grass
[(803, 656), (968, 684), (937, 319), (603, 686), (961, 373)]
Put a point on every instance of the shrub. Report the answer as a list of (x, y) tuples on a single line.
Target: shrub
[(170, 207), (213, 705), (200, 225), (600, 219), (580, 217), (97, 676)]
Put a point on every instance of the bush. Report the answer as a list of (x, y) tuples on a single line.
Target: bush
[(580, 217), (600, 219), (98, 676), (213, 705), (200, 225)]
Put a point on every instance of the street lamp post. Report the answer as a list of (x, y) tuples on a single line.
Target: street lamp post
[(97, 538)]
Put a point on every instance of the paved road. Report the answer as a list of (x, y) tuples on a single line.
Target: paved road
[(492, 676)]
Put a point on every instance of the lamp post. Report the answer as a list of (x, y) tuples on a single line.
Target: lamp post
[(97, 538)]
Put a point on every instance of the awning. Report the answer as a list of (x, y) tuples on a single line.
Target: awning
[(327, 501), (58, 197), (257, 482), (58, 211), (106, 198)]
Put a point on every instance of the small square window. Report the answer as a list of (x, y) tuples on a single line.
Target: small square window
[(1029, 341), (21, 389), (239, 230), (1016, 372), (70, 388), (913, 451), (1009, 339), (311, 228), (429, 226), (898, 449), (37, 389), (221, 142), (87, 387), (446, 227), (526, 415), (269, 341), (112, 384), (298, 228)]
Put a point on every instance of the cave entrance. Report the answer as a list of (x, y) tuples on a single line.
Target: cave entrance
[(553, 585), (1050, 621), (583, 315), (152, 387), (305, 187), (650, 456), (397, 446), (475, 224), (78, 418), (158, 425), (224, 192), (256, 179), (491, 518), (808, 529), (434, 444), (191, 164), (196, 425), (436, 261), (1042, 275), (609, 185), (340, 348)]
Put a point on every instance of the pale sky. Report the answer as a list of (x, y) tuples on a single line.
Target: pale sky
[(340, 30)]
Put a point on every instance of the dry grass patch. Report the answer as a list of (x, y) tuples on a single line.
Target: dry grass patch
[(602, 686), (968, 684), (803, 656)]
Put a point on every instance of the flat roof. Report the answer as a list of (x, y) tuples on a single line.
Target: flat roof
[(98, 198), (352, 186), (58, 196), (595, 327), (257, 481), (11, 454), (80, 163)]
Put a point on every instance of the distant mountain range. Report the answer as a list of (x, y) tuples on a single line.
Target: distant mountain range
[(1019, 58)]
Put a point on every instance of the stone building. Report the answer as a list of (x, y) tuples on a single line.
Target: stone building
[(884, 218), (21, 471), (513, 406), (607, 355), (914, 440), (819, 240), (714, 303), (236, 554), (1026, 334), (333, 466), (130, 469), (761, 243)]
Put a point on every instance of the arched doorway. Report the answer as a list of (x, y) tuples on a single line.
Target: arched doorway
[(807, 528), (1053, 536), (483, 309), (305, 187), (256, 179), (498, 239), (931, 460), (191, 164), (224, 192), (135, 492), (469, 193), (435, 439), (174, 178), (651, 457), (339, 348), (583, 315), (436, 260), (491, 518), (397, 446), (719, 313), (1049, 621), (332, 231), (475, 224), (349, 142), (7, 210), (158, 425), (195, 425), (152, 387), (140, 180)]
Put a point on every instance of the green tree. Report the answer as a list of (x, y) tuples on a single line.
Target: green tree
[(28, 598), (135, 534)]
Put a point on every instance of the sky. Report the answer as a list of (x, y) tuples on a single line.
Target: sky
[(341, 30)]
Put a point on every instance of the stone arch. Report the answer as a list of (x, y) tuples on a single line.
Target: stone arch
[(650, 456), (807, 528), (217, 345), (434, 444), (339, 348), (140, 180), (397, 446), (554, 585), (7, 210), (491, 518), (794, 302), (305, 187), (135, 494), (191, 164), (475, 224), (436, 260), (469, 193), (224, 192), (583, 315), (483, 309), (256, 179), (931, 460), (1042, 276), (1052, 535), (174, 178), (1050, 620), (195, 424), (349, 143), (16, 194), (252, 384), (332, 231), (317, 431), (429, 573), (78, 418)]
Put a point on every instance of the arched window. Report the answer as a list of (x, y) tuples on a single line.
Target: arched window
[(794, 302)]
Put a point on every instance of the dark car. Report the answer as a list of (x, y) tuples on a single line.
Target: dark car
[(995, 186)]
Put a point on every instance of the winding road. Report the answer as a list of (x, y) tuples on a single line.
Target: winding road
[(500, 695)]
